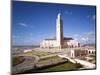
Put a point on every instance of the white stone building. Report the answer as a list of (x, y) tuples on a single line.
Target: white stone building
[(60, 41), (82, 52)]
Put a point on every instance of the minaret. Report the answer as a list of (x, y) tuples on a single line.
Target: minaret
[(59, 31)]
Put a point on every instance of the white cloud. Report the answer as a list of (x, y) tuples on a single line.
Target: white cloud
[(84, 39), (14, 36), (88, 37), (23, 24), (77, 35), (68, 12), (92, 17), (88, 16)]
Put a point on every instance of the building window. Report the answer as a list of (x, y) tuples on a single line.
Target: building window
[(89, 52)]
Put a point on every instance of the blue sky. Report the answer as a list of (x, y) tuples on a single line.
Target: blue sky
[(33, 22)]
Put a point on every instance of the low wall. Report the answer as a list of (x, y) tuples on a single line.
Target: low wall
[(86, 64), (71, 60), (49, 63)]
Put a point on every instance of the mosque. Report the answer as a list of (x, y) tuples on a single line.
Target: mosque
[(60, 41)]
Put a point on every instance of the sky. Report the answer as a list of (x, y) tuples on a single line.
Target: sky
[(32, 22)]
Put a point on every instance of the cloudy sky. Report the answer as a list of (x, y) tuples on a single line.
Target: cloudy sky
[(33, 22)]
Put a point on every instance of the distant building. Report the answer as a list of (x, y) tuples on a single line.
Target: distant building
[(60, 41), (82, 52), (78, 53)]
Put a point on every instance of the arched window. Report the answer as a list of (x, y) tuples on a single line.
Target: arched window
[(92, 52), (89, 52)]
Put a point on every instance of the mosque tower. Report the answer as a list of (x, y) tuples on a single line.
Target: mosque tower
[(59, 31)]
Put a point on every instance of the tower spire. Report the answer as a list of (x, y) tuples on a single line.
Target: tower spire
[(59, 32), (59, 15)]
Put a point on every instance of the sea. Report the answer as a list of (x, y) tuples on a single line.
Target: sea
[(20, 49)]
